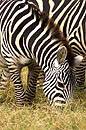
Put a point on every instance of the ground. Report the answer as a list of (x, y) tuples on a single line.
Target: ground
[(42, 116)]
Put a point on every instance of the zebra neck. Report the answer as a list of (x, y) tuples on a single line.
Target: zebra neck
[(42, 38)]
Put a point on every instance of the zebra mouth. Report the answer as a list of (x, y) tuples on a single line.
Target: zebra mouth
[(59, 103)]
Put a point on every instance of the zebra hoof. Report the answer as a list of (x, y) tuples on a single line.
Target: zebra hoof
[(28, 103), (25, 103)]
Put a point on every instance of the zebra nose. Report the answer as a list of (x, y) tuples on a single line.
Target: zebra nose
[(59, 103)]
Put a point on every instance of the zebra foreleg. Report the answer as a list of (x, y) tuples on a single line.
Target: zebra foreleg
[(32, 83), (4, 78), (16, 79), (40, 79), (3, 83), (5, 73)]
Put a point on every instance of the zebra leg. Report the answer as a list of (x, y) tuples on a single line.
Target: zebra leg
[(3, 83), (5, 73), (32, 82), (4, 78), (40, 79), (15, 76)]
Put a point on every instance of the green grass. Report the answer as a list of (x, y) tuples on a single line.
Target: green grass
[(42, 116)]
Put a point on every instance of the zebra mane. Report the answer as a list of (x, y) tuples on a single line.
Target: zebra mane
[(54, 30)]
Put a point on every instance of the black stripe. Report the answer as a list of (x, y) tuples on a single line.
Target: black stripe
[(46, 6), (75, 15), (6, 15)]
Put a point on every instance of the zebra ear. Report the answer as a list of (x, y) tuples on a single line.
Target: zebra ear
[(77, 60), (61, 54)]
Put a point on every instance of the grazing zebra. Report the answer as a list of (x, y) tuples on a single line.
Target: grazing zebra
[(70, 15), (29, 37)]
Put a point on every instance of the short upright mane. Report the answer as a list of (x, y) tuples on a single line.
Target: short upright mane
[(56, 32)]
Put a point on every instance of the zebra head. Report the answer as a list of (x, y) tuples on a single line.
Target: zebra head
[(64, 79)]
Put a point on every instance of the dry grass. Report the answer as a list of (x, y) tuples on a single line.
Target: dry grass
[(41, 116)]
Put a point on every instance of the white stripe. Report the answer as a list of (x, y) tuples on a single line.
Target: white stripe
[(75, 19), (52, 4), (31, 34), (38, 38), (55, 52), (15, 27), (45, 50), (56, 92), (60, 5), (48, 54), (40, 3), (48, 37), (22, 19), (61, 14), (10, 11), (69, 19), (82, 36), (3, 4), (21, 33)]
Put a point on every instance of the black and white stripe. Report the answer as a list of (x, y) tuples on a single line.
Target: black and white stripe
[(29, 37), (71, 17)]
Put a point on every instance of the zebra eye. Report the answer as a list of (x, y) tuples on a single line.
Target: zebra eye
[(60, 85)]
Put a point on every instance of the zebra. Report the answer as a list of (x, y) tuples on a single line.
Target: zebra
[(70, 15), (29, 37), (74, 31)]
